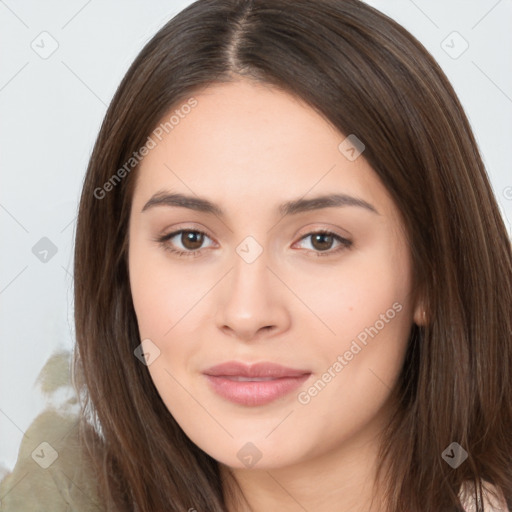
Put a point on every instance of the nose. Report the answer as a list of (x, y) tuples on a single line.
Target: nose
[(252, 301)]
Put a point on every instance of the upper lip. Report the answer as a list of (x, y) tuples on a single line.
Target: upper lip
[(262, 369)]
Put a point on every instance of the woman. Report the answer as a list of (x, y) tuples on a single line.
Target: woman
[(293, 286)]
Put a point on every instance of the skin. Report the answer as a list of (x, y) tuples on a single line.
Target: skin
[(248, 148)]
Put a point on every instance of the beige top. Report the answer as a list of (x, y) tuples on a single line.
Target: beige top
[(50, 474)]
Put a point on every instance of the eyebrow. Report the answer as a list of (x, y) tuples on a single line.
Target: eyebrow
[(164, 198)]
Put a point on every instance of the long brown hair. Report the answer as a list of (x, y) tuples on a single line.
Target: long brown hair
[(367, 76)]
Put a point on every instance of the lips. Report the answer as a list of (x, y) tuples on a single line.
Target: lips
[(257, 370), (254, 384)]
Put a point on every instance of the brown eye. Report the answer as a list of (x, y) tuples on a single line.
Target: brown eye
[(325, 243), (192, 239), (322, 241), (185, 242)]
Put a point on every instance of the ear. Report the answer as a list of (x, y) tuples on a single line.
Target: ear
[(420, 314)]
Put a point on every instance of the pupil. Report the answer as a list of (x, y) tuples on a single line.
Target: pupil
[(192, 240), (323, 245)]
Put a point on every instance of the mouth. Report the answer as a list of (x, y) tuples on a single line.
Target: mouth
[(256, 384)]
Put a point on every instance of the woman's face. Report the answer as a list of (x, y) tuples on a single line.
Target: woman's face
[(259, 287)]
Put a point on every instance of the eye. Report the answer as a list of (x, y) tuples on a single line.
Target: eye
[(191, 241), (323, 241)]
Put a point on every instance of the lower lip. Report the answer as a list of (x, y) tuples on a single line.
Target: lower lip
[(254, 393)]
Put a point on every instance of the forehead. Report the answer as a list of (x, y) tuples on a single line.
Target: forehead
[(244, 140)]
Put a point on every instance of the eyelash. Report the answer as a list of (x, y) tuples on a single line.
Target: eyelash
[(163, 241)]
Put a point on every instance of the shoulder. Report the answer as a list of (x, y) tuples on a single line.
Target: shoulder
[(51, 472), (494, 500)]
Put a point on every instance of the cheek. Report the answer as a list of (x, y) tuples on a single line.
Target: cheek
[(352, 296), (369, 312), (162, 292), (366, 306), (169, 302), (162, 296)]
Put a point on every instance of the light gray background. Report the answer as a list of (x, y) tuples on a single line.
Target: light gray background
[(51, 110)]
